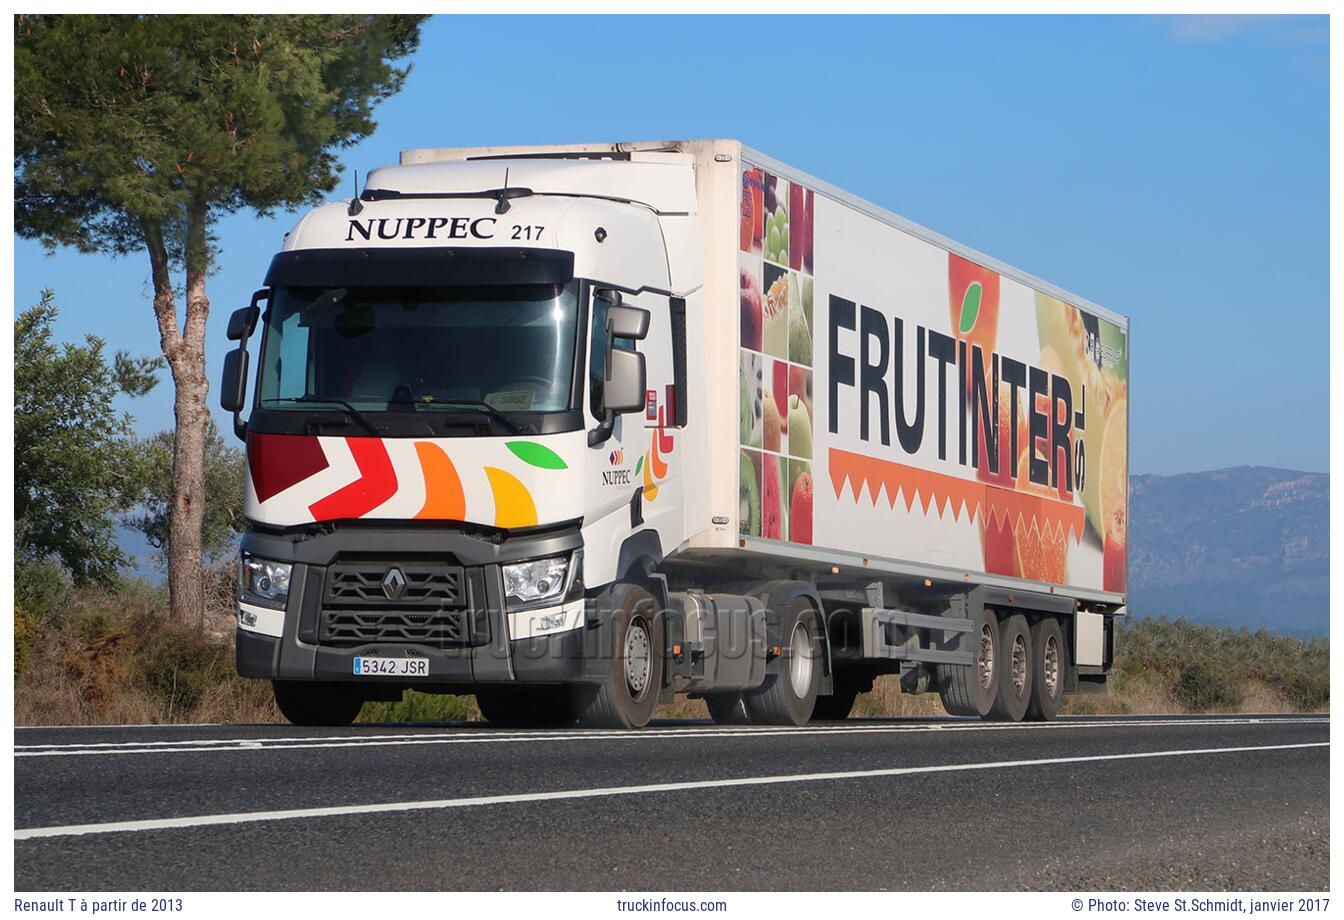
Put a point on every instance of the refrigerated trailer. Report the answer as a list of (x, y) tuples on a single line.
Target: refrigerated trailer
[(577, 428)]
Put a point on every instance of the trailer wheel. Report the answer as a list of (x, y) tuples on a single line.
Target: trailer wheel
[(308, 702), (1015, 670), (841, 701), (970, 689), (545, 707), (727, 708), (628, 691), (1047, 685), (788, 696)]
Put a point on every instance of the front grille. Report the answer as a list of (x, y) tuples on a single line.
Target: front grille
[(347, 628), (420, 603), (429, 585)]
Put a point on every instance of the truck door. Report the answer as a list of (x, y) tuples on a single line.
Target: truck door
[(634, 480)]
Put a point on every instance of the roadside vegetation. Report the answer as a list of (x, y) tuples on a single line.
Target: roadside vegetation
[(87, 655)]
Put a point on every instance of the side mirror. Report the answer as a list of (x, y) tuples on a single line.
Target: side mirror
[(233, 386), (624, 388), (242, 322), (627, 322)]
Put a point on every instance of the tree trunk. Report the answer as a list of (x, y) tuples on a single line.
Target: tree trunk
[(185, 351)]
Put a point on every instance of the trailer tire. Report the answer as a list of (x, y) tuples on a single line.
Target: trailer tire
[(788, 696), (310, 702), (840, 703), (727, 708), (628, 689), (542, 707), (1047, 684), (1015, 670), (970, 689)]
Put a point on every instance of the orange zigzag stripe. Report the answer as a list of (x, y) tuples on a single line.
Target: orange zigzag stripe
[(1024, 512)]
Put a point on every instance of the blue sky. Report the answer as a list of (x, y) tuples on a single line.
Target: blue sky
[(1174, 169)]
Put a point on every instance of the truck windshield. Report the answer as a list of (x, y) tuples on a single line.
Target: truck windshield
[(502, 348)]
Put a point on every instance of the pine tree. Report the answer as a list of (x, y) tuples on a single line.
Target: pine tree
[(136, 133)]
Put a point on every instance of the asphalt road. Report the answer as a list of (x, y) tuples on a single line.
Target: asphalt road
[(1199, 803)]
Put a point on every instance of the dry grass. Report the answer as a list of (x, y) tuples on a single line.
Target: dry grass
[(113, 657)]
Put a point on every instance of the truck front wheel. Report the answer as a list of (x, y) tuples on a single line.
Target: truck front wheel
[(633, 673), (789, 695), (306, 702)]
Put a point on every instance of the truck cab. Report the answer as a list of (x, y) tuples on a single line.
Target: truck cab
[(470, 410)]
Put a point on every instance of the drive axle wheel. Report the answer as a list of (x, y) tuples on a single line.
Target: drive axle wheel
[(789, 695), (633, 675), (310, 702)]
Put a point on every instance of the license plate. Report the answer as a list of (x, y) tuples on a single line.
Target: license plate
[(392, 667)]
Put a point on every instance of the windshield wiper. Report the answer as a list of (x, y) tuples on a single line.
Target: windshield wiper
[(479, 406), (360, 417)]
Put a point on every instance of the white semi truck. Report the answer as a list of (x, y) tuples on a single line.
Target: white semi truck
[(577, 428)]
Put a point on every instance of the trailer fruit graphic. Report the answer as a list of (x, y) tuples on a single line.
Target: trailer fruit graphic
[(777, 352), (957, 413)]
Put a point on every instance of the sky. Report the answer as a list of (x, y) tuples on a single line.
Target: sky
[(1173, 169)]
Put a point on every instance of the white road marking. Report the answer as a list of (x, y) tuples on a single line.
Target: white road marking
[(489, 736), (156, 824)]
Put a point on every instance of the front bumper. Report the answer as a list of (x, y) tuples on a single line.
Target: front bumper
[(469, 638)]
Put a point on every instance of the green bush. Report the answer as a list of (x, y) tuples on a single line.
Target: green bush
[(415, 706), (43, 589), (1206, 686), (177, 665)]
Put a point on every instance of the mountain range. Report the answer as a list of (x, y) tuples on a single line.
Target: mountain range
[(1245, 546)]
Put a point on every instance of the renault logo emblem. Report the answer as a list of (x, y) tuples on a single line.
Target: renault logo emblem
[(394, 583)]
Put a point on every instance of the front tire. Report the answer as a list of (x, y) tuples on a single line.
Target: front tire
[(306, 702), (789, 695), (628, 691)]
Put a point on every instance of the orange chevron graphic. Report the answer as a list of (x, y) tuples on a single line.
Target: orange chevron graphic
[(1024, 512)]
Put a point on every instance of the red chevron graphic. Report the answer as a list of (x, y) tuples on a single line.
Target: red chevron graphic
[(279, 461), (377, 483)]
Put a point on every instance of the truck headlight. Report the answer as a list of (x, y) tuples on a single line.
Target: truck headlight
[(263, 582), (540, 582)]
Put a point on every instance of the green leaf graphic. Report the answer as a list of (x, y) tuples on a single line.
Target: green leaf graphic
[(639, 464), (970, 307), (536, 455)]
